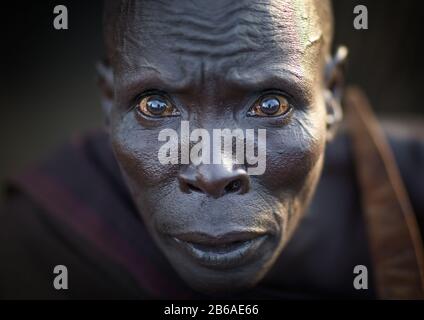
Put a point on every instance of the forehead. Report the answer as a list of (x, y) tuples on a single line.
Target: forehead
[(184, 41)]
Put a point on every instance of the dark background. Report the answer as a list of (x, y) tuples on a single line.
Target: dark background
[(48, 86)]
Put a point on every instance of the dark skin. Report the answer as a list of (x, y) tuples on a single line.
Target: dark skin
[(210, 63)]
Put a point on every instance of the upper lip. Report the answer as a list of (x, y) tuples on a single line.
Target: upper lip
[(219, 239)]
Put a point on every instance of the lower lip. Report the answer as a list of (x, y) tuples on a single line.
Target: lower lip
[(223, 258)]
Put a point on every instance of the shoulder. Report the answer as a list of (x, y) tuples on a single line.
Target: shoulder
[(78, 201), (41, 222), (80, 173), (406, 139), (405, 136)]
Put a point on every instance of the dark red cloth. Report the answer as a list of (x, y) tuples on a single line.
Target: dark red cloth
[(83, 207)]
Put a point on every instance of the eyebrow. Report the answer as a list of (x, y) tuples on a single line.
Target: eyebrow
[(146, 78), (291, 81), (277, 77)]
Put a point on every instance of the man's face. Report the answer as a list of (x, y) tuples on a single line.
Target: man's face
[(220, 64)]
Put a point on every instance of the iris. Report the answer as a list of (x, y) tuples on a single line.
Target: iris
[(270, 105), (156, 105)]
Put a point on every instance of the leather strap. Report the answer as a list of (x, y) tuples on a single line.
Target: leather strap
[(395, 242)]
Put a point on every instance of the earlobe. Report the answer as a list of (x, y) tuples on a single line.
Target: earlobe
[(334, 85), (334, 115), (105, 83)]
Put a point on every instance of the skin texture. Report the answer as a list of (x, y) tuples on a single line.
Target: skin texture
[(213, 60)]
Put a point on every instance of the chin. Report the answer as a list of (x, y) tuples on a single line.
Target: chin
[(221, 265)]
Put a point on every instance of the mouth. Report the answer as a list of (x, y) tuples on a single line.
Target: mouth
[(226, 251)]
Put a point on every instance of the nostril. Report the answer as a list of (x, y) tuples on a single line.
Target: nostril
[(233, 186), (193, 188), (214, 181)]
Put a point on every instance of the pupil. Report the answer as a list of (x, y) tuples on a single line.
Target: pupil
[(270, 105), (156, 105)]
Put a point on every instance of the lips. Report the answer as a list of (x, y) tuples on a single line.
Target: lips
[(224, 251)]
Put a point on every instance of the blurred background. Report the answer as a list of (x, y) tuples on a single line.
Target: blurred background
[(48, 84)]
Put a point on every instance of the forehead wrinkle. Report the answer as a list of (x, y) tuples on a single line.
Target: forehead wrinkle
[(190, 34), (236, 28), (258, 74), (189, 45)]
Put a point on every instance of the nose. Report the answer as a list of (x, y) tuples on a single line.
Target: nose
[(214, 180)]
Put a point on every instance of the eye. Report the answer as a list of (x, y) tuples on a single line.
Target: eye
[(270, 106), (156, 106)]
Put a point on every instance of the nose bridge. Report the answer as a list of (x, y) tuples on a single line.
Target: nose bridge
[(214, 180), (222, 170)]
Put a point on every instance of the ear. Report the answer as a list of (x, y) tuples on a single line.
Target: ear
[(105, 83), (334, 85)]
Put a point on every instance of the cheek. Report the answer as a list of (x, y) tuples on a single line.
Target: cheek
[(294, 163), (293, 154), (136, 150)]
